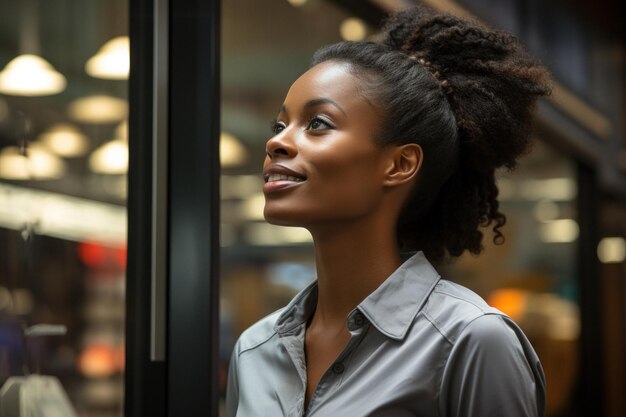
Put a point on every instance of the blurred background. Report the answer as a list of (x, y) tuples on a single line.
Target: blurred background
[(64, 115)]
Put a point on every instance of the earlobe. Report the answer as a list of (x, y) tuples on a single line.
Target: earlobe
[(404, 165)]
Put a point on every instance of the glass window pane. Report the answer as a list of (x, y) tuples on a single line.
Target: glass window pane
[(63, 163)]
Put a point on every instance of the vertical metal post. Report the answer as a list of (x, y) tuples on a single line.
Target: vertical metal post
[(193, 294), (145, 379), (158, 305), (591, 380)]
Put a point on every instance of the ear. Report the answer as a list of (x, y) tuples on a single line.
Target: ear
[(404, 163)]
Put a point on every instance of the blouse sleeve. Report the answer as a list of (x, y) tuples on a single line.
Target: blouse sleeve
[(492, 371)]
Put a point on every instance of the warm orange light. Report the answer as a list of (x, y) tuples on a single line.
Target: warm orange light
[(98, 360), (511, 301)]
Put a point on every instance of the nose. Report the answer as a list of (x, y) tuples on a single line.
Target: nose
[(280, 145)]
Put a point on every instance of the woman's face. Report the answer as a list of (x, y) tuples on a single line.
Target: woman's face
[(323, 164)]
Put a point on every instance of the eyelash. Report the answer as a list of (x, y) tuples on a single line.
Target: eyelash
[(275, 124), (311, 120)]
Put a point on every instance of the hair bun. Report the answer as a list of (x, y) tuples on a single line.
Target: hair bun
[(402, 25), (492, 82)]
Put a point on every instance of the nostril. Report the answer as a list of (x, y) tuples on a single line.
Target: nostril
[(281, 151)]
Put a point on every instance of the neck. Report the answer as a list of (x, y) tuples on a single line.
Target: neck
[(351, 261)]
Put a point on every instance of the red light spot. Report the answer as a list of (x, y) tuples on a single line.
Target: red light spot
[(92, 254)]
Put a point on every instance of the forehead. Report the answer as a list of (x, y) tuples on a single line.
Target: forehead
[(331, 80)]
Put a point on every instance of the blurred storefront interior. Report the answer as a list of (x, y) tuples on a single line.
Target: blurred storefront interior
[(67, 309), (560, 273), (63, 163)]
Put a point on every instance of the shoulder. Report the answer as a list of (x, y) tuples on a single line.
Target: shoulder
[(258, 334), (491, 368), (457, 311)]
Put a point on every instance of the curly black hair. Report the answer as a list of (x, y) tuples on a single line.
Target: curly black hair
[(466, 94)]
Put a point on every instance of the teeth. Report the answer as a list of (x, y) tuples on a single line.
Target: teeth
[(282, 177)]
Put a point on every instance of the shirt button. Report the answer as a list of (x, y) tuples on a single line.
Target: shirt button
[(359, 319), (338, 368)]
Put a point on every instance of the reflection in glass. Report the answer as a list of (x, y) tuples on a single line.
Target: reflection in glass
[(63, 218)]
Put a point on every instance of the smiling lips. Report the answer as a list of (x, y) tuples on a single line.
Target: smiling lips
[(282, 177), (278, 177)]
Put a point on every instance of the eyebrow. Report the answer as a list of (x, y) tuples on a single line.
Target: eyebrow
[(316, 102)]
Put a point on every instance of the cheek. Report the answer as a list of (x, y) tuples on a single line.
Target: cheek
[(347, 164), (349, 182)]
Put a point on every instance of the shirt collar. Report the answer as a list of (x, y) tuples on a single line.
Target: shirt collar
[(391, 308), (298, 310)]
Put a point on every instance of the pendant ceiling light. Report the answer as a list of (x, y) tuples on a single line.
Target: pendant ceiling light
[(29, 74), (98, 109), (65, 140), (112, 61), (37, 164), (110, 158)]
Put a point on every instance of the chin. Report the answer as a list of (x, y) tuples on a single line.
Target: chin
[(282, 220), (283, 217)]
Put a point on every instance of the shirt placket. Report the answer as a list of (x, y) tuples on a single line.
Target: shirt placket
[(293, 343), (331, 379)]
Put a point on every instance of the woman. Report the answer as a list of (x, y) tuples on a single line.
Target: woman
[(382, 147)]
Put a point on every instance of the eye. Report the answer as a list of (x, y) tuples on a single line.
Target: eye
[(277, 126), (317, 123)]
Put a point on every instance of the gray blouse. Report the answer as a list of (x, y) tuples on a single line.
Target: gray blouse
[(419, 346)]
